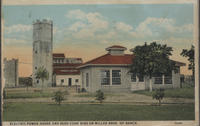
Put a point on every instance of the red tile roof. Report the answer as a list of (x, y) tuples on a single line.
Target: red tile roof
[(58, 55), (116, 46), (66, 71), (108, 59), (66, 68), (66, 64)]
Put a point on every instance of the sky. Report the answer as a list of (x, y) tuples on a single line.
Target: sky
[(86, 30)]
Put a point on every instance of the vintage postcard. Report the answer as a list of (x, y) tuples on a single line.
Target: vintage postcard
[(100, 62)]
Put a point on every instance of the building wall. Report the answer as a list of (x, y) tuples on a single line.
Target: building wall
[(135, 86), (42, 50), (11, 76), (116, 52), (175, 82), (65, 79), (95, 79), (126, 84)]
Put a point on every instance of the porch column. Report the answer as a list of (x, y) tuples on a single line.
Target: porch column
[(110, 76), (163, 79)]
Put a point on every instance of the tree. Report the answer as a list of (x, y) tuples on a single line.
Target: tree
[(190, 55), (158, 95), (152, 59), (100, 96), (42, 74), (58, 97), (25, 81)]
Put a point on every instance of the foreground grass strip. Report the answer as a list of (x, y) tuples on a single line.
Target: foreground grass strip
[(28, 95), (93, 112), (173, 93)]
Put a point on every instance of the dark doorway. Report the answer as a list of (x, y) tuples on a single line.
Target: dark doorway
[(70, 82)]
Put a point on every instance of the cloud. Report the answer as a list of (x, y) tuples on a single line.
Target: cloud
[(76, 26), (153, 26), (93, 27), (18, 28), (123, 27), (86, 24)]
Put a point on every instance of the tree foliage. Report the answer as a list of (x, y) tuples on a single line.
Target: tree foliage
[(25, 81), (58, 97), (190, 57), (100, 96), (42, 74), (158, 95), (152, 59)]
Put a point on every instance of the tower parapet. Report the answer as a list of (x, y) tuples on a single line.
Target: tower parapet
[(44, 21)]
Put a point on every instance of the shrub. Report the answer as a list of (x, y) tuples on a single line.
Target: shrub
[(158, 95), (100, 96), (58, 97)]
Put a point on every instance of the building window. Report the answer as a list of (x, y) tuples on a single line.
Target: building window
[(168, 80), (37, 81), (116, 77), (35, 51), (36, 68), (62, 80), (105, 77), (87, 79), (133, 78), (158, 80), (141, 78), (76, 80)]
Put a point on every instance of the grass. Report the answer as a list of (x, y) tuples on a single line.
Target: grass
[(94, 94), (186, 92), (28, 95), (94, 112)]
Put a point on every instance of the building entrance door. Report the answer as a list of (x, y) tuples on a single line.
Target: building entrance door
[(70, 82)]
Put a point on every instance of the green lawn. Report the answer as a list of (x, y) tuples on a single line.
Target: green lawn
[(94, 94), (186, 92), (93, 112), (28, 95)]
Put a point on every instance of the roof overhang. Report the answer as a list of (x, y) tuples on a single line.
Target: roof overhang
[(87, 65)]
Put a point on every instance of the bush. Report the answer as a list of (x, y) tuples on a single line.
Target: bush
[(100, 96), (58, 97), (158, 95)]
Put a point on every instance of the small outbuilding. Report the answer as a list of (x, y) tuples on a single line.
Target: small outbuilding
[(65, 71)]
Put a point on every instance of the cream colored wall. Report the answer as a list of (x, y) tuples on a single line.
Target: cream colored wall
[(66, 78), (95, 79)]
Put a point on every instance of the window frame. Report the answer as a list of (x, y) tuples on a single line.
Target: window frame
[(133, 76), (107, 77), (140, 78), (87, 79), (116, 77)]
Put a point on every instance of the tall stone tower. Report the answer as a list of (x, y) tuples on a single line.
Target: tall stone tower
[(42, 50)]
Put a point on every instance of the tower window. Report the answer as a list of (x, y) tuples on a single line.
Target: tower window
[(35, 51), (37, 81), (36, 68)]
